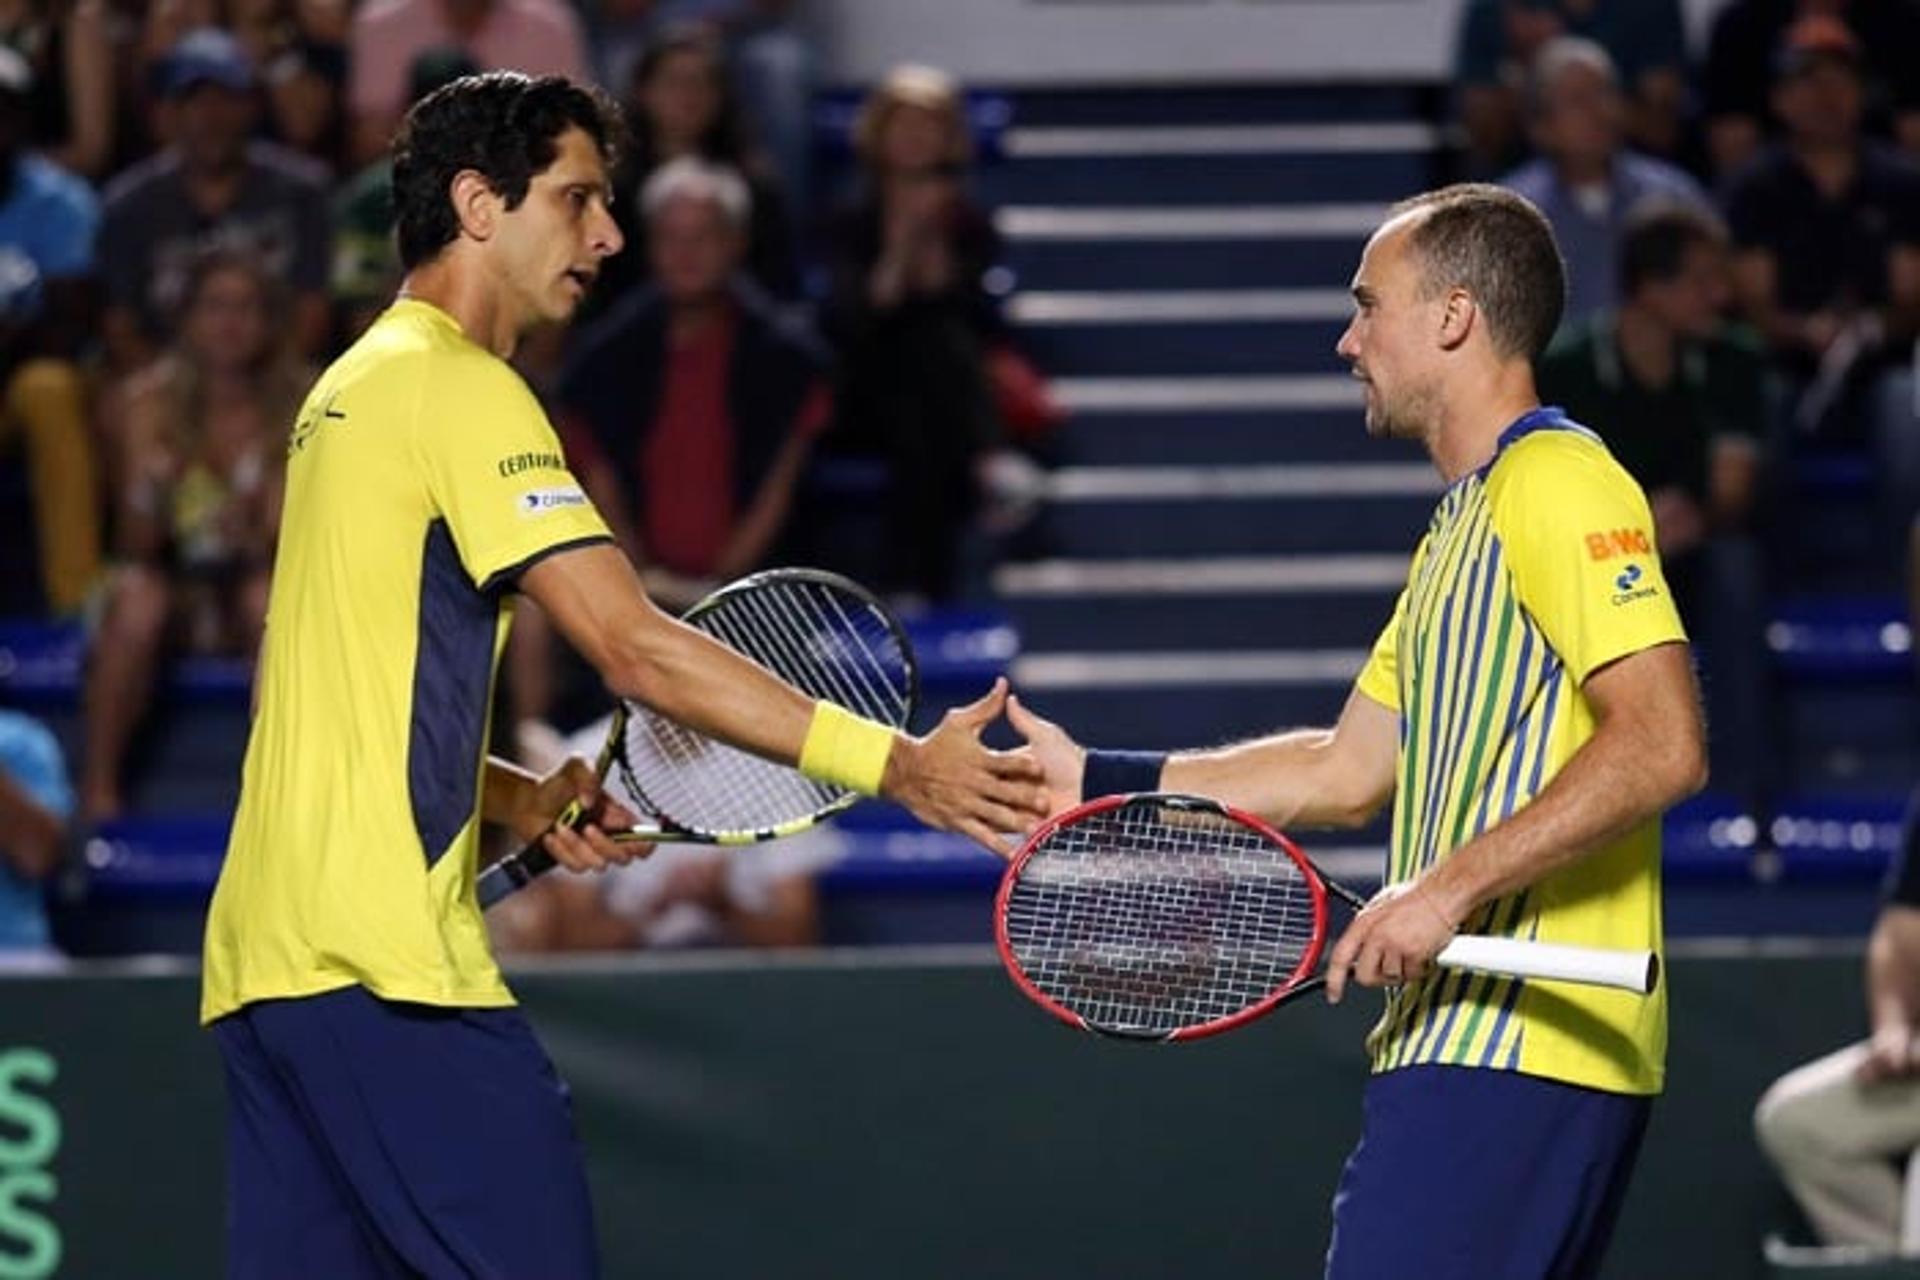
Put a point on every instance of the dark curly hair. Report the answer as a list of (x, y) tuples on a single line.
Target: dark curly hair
[(504, 126)]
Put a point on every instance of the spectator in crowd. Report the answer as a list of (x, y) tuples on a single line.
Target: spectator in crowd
[(47, 223), (1827, 227), (366, 261), (1741, 53), (1842, 1129), (71, 107), (1680, 403), (694, 402), (211, 188), (36, 804), (1586, 181), (306, 100), (912, 318), (770, 60), (539, 37), (204, 445), (1499, 40), (291, 42), (678, 896), (679, 103), (268, 29), (688, 409)]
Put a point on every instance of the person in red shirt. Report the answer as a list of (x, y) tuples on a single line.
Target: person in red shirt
[(688, 410)]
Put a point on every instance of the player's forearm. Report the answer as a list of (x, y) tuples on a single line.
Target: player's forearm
[(692, 679), (1336, 777), (1284, 778), (506, 791), (1624, 776)]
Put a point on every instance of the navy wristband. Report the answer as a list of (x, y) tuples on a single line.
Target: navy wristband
[(1116, 773)]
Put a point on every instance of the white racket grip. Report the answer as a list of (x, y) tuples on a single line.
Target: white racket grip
[(1636, 971)]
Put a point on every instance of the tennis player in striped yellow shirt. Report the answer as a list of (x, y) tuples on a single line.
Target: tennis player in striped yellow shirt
[(1529, 711)]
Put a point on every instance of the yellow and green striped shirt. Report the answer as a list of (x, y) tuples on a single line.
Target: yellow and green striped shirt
[(1537, 570)]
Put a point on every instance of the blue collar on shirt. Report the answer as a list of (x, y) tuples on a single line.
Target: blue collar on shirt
[(1548, 417)]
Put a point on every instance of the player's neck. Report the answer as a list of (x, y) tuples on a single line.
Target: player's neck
[(474, 302), (1469, 426)]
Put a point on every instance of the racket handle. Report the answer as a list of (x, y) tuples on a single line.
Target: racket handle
[(517, 870), (1637, 971), (512, 872)]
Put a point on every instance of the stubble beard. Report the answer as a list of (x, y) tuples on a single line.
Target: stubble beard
[(1404, 418)]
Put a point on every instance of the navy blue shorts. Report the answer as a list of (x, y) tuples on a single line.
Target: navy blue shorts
[(1463, 1174), (370, 1138)]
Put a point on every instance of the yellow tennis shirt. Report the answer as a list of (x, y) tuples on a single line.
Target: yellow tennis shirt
[(422, 478), (1537, 570)]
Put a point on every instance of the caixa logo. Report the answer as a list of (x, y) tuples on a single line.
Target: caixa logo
[(29, 1140), (1627, 586)]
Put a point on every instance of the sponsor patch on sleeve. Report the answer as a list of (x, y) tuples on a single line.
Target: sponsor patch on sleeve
[(1632, 583), (1611, 544), (538, 502)]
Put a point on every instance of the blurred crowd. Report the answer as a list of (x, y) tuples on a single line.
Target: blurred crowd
[(194, 217), (1741, 227)]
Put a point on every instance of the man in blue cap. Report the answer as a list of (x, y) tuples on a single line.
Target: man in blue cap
[(213, 187)]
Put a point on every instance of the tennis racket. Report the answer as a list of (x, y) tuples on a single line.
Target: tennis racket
[(1169, 917), (824, 635)]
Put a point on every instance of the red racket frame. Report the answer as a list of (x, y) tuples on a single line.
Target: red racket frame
[(1298, 980)]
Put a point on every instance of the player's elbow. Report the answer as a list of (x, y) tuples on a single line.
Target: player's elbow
[(1682, 764), (636, 666), (1345, 801), (1693, 778), (1349, 812)]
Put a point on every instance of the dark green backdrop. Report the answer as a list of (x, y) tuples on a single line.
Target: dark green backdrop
[(906, 1116)]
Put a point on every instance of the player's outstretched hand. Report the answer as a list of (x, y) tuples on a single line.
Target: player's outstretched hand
[(580, 844), (1062, 761), (950, 780)]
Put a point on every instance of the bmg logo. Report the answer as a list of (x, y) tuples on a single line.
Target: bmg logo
[(29, 1140)]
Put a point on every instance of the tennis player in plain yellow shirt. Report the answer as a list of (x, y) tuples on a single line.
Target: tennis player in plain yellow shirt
[(390, 1112)]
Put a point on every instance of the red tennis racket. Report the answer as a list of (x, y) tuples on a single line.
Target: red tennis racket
[(1169, 917)]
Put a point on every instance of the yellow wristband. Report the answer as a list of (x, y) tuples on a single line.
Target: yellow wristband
[(846, 750)]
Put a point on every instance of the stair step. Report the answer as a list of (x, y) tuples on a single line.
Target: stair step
[(1190, 393), (1185, 178), (1250, 331), (1301, 246), (1156, 700), (1197, 436), (1222, 603), (1208, 526), (1193, 104), (1269, 139)]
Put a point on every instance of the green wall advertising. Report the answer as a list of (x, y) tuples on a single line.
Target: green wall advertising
[(848, 1116)]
